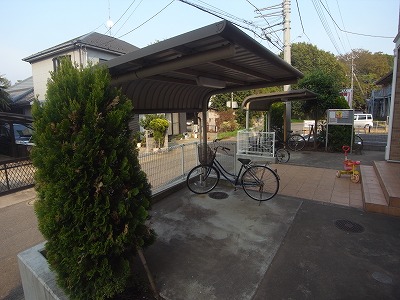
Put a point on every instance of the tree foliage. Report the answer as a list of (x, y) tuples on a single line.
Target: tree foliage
[(328, 89), (368, 68), (308, 59), (4, 96), (218, 103), (145, 122), (159, 127), (93, 197)]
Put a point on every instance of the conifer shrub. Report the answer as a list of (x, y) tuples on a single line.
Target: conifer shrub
[(93, 197)]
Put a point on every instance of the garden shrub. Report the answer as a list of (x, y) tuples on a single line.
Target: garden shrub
[(338, 136), (93, 197), (159, 128)]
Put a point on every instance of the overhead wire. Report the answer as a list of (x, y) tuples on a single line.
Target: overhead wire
[(301, 20), (147, 19), (277, 14), (128, 17), (356, 33), (219, 13), (337, 33), (152, 17), (325, 25), (341, 18)]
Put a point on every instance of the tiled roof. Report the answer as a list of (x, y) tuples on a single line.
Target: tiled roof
[(91, 40), (22, 91)]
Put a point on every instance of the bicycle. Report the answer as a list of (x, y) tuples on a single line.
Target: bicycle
[(259, 182), (295, 141), (262, 143)]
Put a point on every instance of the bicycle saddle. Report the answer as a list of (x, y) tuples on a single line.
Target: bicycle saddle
[(244, 161)]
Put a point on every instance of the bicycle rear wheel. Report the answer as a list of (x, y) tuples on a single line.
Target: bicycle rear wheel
[(282, 155), (260, 183), (296, 142), (202, 179)]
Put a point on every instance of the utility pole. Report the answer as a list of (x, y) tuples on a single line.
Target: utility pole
[(287, 58), (352, 81)]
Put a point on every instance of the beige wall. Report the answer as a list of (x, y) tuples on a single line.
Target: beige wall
[(41, 72), (80, 56), (394, 136)]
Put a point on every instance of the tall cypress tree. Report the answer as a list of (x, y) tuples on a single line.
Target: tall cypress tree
[(93, 197)]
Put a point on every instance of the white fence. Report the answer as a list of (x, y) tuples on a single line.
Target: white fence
[(170, 166), (255, 143)]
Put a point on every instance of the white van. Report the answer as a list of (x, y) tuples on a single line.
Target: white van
[(363, 120)]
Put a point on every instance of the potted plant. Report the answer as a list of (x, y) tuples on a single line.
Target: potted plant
[(93, 197)]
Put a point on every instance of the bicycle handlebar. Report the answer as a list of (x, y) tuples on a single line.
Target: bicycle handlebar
[(220, 147)]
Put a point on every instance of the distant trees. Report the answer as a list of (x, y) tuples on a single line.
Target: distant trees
[(368, 68), (324, 75), (4, 96)]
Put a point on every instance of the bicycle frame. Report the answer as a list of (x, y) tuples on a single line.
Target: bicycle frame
[(232, 178)]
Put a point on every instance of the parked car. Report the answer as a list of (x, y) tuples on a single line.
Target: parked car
[(363, 120), (10, 145)]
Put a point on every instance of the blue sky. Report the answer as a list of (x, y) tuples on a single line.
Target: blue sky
[(30, 26)]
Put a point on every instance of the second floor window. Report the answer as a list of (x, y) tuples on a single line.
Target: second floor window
[(57, 61)]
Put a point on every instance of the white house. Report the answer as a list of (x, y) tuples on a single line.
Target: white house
[(92, 47)]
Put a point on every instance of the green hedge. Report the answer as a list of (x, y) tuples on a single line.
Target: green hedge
[(93, 198)]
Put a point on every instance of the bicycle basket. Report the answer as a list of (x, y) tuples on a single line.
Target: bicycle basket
[(206, 157)]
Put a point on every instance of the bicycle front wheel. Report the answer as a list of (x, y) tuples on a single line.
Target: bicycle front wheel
[(296, 142), (260, 183), (282, 155), (202, 179)]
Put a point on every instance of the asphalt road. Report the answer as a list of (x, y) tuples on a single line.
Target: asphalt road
[(19, 231)]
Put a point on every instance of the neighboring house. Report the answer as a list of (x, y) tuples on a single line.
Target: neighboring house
[(379, 103), (92, 47), (89, 48), (21, 95)]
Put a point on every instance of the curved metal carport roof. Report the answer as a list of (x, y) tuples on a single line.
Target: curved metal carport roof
[(180, 74), (263, 102)]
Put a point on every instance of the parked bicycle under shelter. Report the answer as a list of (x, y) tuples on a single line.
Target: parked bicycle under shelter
[(263, 102)]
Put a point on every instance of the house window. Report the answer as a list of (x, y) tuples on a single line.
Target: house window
[(57, 61)]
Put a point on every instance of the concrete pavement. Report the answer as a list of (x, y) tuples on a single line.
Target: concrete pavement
[(232, 248)]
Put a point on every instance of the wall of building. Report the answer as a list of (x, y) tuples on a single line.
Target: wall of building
[(81, 56), (394, 151)]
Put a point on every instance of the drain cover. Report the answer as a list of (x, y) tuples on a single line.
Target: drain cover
[(218, 195), (349, 226), (382, 278)]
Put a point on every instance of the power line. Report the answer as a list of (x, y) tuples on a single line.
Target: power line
[(220, 12), (278, 14), (340, 14), (337, 33), (113, 38), (356, 33), (301, 20), (147, 19), (128, 17), (325, 25)]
